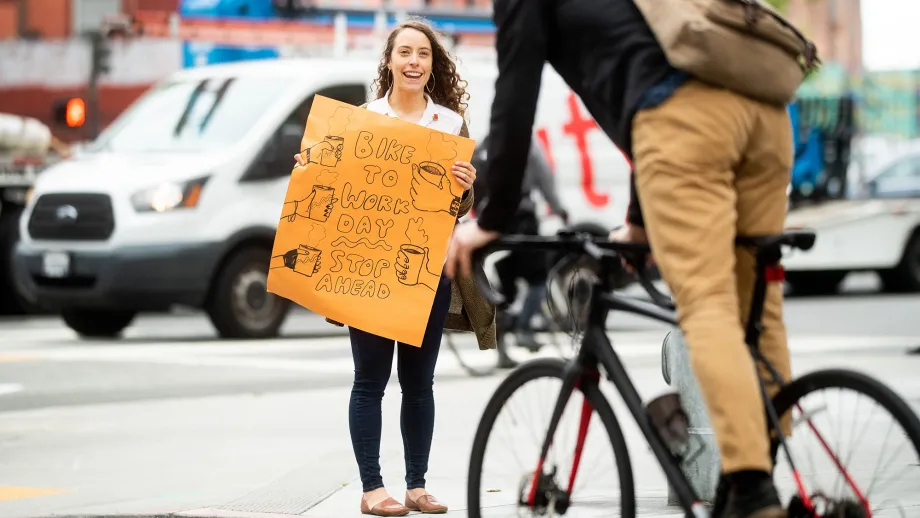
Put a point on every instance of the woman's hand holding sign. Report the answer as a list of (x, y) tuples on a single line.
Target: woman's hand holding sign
[(465, 174), (314, 154), (432, 190)]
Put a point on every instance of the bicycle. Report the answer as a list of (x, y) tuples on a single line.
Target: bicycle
[(463, 343), (557, 319), (538, 491)]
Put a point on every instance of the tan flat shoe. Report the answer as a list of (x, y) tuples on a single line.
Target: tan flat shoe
[(427, 504), (388, 507)]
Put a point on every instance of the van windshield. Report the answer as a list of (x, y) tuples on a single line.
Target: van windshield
[(192, 115)]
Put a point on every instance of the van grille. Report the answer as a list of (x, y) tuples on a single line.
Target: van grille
[(72, 217)]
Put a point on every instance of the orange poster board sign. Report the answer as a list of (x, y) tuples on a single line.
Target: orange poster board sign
[(363, 232)]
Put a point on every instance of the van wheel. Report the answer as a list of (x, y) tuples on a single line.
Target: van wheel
[(815, 283), (240, 306), (16, 304), (97, 323), (905, 277)]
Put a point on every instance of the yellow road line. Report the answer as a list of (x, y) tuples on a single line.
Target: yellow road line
[(16, 358), (18, 493)]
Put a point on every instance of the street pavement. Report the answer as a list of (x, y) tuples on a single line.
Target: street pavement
[(171, 419)]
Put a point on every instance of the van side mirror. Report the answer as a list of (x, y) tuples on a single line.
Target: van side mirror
[(278, 158), (286, 144), (289, 144)]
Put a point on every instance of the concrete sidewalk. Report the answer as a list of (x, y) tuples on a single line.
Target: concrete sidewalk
[(289, 454), (461, 403), (460, 406)]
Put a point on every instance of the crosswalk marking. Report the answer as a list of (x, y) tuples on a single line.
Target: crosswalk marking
[(52, 342), (333, 355), (10, 388), (8, 358), (17, 493)]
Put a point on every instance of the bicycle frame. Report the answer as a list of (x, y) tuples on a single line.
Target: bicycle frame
[(597, 350)]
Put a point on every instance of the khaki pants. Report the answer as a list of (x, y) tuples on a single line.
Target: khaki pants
[(711, 164)]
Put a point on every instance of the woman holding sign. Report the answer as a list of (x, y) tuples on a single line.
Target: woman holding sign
[(417, 82)]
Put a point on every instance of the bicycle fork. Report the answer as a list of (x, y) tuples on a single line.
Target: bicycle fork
[(574, 377)]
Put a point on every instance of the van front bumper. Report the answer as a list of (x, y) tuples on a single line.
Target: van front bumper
[(136, 278)]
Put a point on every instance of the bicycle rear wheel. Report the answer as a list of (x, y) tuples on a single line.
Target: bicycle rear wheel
[(509, 475), (475, 362), (833, 476)]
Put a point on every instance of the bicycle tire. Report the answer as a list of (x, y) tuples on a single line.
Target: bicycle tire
[(475, 372), (858, 382), (548, 368)]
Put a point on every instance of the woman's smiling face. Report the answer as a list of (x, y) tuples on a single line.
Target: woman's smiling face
[(411, 60)]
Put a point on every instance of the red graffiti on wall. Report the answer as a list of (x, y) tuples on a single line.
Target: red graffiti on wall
[(579, 127)]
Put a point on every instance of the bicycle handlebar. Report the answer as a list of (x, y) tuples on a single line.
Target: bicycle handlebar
[(598, 249)]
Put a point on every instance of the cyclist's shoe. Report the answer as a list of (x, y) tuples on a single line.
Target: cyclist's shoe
[(528, 341), (758, 500), (505, 362)]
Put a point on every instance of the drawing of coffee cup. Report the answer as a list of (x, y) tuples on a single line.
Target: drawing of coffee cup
[(307, 262), (331, 157), (409, 262), (321, 204), (433, 172)]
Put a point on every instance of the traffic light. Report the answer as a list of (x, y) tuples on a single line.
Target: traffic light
[(70, 112), (102, 54), (75, 114)]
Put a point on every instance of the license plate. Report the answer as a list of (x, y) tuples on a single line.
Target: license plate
[(56, 264)]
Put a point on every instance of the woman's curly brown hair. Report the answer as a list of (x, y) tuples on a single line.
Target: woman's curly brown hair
[(445, 87)]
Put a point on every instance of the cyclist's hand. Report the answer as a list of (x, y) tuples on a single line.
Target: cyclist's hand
[(466, 238), (630, 234)]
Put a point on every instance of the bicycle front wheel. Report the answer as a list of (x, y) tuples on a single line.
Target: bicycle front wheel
[(855, 445), (574, 478)]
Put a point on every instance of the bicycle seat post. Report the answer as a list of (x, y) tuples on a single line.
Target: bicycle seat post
[(768, 270)]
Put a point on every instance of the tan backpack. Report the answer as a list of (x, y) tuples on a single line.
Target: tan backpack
[(743, 45)]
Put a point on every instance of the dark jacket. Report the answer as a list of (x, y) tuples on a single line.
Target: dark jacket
[(605, 52)]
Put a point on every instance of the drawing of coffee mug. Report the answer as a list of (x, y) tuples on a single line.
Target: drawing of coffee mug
[(307, 260), (412, 258), (331, 157), (320, 206), (433, 172)]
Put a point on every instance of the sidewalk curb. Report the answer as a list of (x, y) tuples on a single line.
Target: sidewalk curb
[(212, 512), (328, 494)]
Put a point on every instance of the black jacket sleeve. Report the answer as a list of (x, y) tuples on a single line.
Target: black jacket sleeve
[(521, 48), (634, 211)]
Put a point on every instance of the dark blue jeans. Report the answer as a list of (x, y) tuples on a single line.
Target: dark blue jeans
[(373, 357)]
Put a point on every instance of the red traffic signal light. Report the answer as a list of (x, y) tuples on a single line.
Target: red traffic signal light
[(75, 113), (69, 112)]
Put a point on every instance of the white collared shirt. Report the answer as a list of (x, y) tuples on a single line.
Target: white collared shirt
[(436, 117)]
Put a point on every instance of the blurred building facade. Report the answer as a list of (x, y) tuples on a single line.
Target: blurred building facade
[(836, 28), (42, 58)]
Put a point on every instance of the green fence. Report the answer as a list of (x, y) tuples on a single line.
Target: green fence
[(887, 103)]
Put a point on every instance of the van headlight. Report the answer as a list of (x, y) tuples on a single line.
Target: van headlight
[(168, 196)]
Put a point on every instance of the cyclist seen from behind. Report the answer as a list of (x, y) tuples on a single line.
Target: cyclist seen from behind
[(710, 163)]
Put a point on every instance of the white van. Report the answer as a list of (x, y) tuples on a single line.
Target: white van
[(176, 203)]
